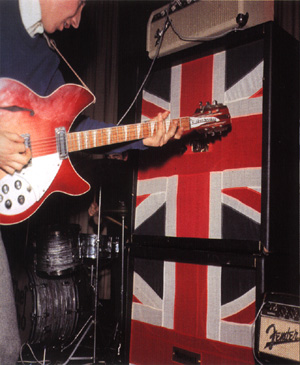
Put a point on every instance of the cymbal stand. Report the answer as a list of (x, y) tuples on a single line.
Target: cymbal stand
[(97, 276), (92, 321), (122, 211)]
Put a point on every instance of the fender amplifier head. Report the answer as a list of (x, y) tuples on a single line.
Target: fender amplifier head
[(278, 330)]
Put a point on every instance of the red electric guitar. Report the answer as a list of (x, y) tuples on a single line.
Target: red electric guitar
[(44, 123)]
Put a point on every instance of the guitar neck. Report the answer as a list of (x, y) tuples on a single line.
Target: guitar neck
[(78, 141)]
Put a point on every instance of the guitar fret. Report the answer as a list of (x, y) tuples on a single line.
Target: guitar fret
[(152, 125), (94, 133), (114, 135), (138, 128), (145, 129), (167, 124), (108, 135), (78, 141), (86, 141), (125, 130), (100, 137), (118, 137)]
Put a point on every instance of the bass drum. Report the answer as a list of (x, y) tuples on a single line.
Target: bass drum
[(47, 309)]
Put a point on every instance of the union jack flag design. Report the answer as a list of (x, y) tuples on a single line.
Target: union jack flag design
[(213, 194), (205, 309)]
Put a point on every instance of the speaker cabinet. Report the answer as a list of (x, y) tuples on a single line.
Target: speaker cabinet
[(200, 19), (238, 191), (226, 200), (189, 313)]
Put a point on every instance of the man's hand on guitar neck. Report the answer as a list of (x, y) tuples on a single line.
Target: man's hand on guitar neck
[(13, 153), (162, 136)]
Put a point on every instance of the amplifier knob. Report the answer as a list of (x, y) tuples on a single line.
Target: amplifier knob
[(294, 314), (283, 312)]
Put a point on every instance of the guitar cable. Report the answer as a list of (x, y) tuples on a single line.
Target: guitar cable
[(51, 43)]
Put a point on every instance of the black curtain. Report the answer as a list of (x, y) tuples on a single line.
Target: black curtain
[(92, 51)]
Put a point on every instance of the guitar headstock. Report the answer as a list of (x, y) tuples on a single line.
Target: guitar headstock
[(211, 118)]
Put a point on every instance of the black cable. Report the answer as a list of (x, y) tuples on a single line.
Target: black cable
[(160, 41)]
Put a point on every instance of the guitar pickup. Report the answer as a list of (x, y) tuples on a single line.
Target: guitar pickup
[(61, 142), (27, 143)]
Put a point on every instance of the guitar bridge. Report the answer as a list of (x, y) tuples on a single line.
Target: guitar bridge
[(27, 143), (61, 142)]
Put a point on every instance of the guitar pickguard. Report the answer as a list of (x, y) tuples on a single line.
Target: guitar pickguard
[(20, 191)]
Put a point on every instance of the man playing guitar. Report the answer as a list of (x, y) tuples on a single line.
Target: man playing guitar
[(26, 57)]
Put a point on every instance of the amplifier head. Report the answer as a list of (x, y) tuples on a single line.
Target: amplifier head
[(278, 330), (200, 19)]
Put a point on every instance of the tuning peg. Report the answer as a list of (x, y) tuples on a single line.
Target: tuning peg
[(200, 109)]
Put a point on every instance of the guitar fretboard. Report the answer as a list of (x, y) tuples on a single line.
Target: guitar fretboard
[(78, 141)]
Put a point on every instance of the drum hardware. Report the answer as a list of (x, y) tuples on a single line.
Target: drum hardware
[(92, 320), (122, 211)]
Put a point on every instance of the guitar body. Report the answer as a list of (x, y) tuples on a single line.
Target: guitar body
[(36, 118)]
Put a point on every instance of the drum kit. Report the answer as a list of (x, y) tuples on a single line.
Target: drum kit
[(53, 291)]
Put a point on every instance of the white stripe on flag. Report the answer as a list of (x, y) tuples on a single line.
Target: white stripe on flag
[(156, 100), (234, 178), (169, 295), (213, 302), (175, 91)]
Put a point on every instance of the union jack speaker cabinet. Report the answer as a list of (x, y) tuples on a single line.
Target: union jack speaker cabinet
[(216, 216)]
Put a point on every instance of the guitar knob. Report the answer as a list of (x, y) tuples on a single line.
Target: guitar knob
[(8, 204), (21, 199), (5, 188), (18, 184)]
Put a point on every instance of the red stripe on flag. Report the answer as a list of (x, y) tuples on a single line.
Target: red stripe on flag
[(258, 94), (193, 205), (141, 198), (135, 300), (151, 110), (245, 316), (249, 197), (196, 84), (191, 300), (155, 345)]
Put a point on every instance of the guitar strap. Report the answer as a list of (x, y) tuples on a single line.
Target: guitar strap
[(52, 45)]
